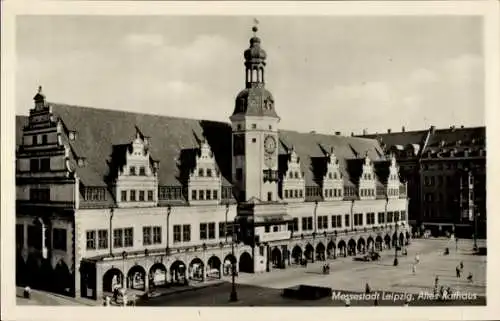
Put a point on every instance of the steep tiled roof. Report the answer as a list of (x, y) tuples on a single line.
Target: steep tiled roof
[(400, 139), (174, 141), (451, 137), (312, 146)]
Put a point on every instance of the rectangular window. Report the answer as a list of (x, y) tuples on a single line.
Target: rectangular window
[(203, 231), (141, 196), (370, 218), (128, 237), (275, 228), (117, 238), (193, 194), (132, 195), (222, 230), (34, 237), (186, 233), (304, 224), (45, 164), (267, 229), (103, 239), (322, 222), (124, 196), (389, 217), (296, 193), (35, 139), (209, 194), (269, 196), (215, 194), (201, 194), (301, 193), (211, 231), (396, 216), (142, 171), (209, 172), (59, 240), (339, 220), (177, 233), (132, 171), (156, 234), (90, 240), (150, 196), (403, 215), (34, 165), (44, 139), (347, 220), (146, 235), (381, 218), (286, 193)]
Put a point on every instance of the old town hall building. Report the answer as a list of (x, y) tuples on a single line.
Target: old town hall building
[(111, 198)]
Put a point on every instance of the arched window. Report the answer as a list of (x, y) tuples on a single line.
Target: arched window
[(200, 172), (254, 75)]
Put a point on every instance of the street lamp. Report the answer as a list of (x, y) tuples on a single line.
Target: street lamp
[(396, 262), (234, 296)]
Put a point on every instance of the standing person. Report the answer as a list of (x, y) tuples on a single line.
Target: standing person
[(414, 269), (458, 271), (367, 288)]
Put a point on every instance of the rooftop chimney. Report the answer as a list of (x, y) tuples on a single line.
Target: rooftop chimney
[(433, 128), (365, 132), (403, 129), (337, 133), (389, 131)]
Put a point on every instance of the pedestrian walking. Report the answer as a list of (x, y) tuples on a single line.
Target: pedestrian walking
[(458, 271), (414, 269)]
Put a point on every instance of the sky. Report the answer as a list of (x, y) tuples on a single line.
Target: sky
[(326, 73)]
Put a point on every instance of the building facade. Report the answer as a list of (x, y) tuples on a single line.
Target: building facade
[(109, 198), (446, 174)]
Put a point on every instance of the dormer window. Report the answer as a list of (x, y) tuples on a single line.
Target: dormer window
[(132, 171), (142, 171), (291, 174), (200, 172), (209, 172), (296, 174), (72, 135)]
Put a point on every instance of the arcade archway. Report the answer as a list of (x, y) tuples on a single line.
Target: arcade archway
[(342, 248), (296, 254), (330, 250), (246, 263), (136, 278), (112, 279), (178, 272), (308, 253), (361, 246), (351, 247), (196, 269), (320, 252), (276, 258), (214, 267), (228, 261), (63, 277), (157, 275)]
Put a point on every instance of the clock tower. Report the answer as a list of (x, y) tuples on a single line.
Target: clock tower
[(255, 132)]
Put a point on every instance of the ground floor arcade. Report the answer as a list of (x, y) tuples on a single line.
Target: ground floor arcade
[(144, 272)]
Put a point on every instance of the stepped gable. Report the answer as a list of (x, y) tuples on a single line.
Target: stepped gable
[(174, 141), (101, 133), (349, 151)]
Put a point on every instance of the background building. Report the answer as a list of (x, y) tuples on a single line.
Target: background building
[(446, 174), (109, 198)]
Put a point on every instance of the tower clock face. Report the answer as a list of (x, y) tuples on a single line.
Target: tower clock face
[(269, 144)]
